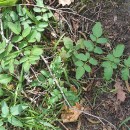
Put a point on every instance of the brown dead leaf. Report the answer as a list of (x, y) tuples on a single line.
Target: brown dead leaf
[(65, 2), (73, 89), (10, 87), (121, 95), (58, 17), (71, 114), (128, 86), (107, 128)]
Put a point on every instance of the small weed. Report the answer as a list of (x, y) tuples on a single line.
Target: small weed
[(85, 54)]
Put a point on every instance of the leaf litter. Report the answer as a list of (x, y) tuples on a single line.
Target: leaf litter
[(65, 2), (121, 95)]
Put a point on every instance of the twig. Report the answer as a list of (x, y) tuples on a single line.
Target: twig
[(56, 81), (57, 10), (97, 117), (31, 99), (63, 125), (31, 67), (2, 30)]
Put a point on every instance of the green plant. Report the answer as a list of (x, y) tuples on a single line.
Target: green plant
[(125, 72), (124, 122), (85, 55), (20, 52), (112, 61), (9, 114), (96, 39)]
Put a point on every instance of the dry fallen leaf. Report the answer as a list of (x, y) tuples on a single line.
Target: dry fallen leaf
[(10, 87), (73, 89), (65, 2), (128, 86), (121, 95), (107, 128), (71, 114)]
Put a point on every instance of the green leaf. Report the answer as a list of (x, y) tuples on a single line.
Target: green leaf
[(33, 59), (45, 73), (98, 50), (22, 44), (1, 92), (117, 60), (80, 44), (14, 121), (102, 40), (87, 68), (46, 124), (68, 43), (114, 66), (16, 39), (81, 56), (97, 30), (108, 64), (26, 31), (108, 71), (79, 72), (26, 66), (39, 3), (16, 110), (118, 51), (110, 57), (2, 128), (125, 73), (38, 17), (38, 36), (27, 52), (36, 9), (32, 36), (31, 15), (93, 38), (43, 24), (87, 55), (2, 47), (44, 10), (79, 63), (11, 66), (37, 51), (23, 59), (124, 121), (127, 62), (93, 61), (5, 79), (14, 16), (4, 109), (89, 45), (45, 17), (14, 27), (19, 10), (1, 123)]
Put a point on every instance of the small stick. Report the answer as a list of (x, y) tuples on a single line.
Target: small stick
[(56, 81)]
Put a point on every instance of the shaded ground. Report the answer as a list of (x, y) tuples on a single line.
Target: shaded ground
[(97, 98)]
